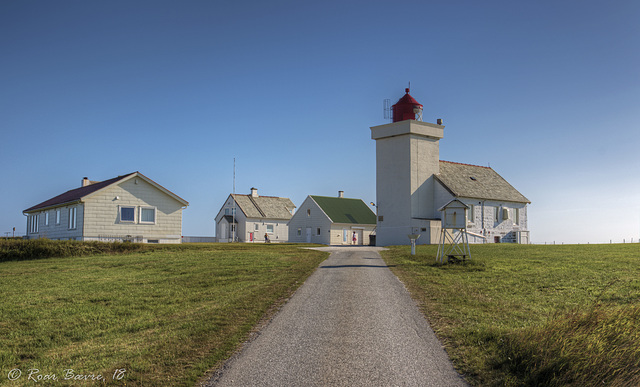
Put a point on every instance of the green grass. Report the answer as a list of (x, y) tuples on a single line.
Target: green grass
[(166, 315), (533, 315)]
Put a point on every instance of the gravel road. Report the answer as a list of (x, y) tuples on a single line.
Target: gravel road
[(352, 323)]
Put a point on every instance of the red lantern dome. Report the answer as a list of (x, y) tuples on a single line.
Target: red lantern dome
[(407, 108)]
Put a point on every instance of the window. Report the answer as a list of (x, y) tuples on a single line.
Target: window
[(318, 231), (470, 213), (496, 214), (230, 211), (516, 216), (270, 228), (344, 235), (256, 227), (505, 213), (58, 216), (127, 214), (299, 232), (147, 215), (309, 212), (72, 218), (33, 224), (46, 218)]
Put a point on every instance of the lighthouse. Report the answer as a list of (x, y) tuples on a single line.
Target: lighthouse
[(407, 158)]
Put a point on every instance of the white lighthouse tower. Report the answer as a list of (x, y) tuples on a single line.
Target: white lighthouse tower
[(407, 157)]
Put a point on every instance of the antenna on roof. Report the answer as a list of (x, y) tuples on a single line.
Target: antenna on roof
[(386, 108), (233, 211)]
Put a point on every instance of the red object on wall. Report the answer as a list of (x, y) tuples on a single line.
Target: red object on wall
[(406, 108)]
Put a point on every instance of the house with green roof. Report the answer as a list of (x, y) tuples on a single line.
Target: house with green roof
[(332, 221)]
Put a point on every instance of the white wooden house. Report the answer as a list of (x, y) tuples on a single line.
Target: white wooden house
[(332, 221), (130, 207), (254, 218)]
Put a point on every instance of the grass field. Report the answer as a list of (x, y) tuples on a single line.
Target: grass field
[(164, 315), (156, 317), (533, 315)]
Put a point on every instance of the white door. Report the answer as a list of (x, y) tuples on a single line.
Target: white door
[(223, 231), (308, 234)]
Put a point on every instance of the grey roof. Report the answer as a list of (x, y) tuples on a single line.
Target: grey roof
[(473, 181), (264, 207)]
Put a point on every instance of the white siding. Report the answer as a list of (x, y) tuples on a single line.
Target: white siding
[(485, 222), (59, 230), (101, 215), (310, 215), (362, 232)]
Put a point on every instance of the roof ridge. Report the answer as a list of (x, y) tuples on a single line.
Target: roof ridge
[(471, 165), (257, 206)]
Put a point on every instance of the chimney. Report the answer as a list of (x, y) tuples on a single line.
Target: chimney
[(254, 192), (86, 181), (341, 194)]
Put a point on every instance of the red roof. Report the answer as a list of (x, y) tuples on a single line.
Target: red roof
[(405, 108)]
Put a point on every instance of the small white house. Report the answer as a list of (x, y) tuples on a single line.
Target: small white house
[(254, 218), (332, 221), (130, 207)]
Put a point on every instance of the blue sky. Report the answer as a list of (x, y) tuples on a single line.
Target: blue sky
[(547, 93)]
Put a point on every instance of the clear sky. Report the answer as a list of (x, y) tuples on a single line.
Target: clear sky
[(545, 92)]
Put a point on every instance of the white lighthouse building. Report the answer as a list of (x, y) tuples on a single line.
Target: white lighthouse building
[(412, 183)]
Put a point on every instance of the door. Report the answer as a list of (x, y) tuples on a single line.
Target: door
[(359, 233), (308, 234), (223, 231)]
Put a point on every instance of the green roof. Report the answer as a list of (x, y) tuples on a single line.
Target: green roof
[(344, 210)]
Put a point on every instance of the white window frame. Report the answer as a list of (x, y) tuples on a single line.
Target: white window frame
[(73, 218), (57, 216), (46, 218), (155, 213), (256, 227), (272, 227), (120, 220), (471, 213), (33, 224), (516, 216)]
